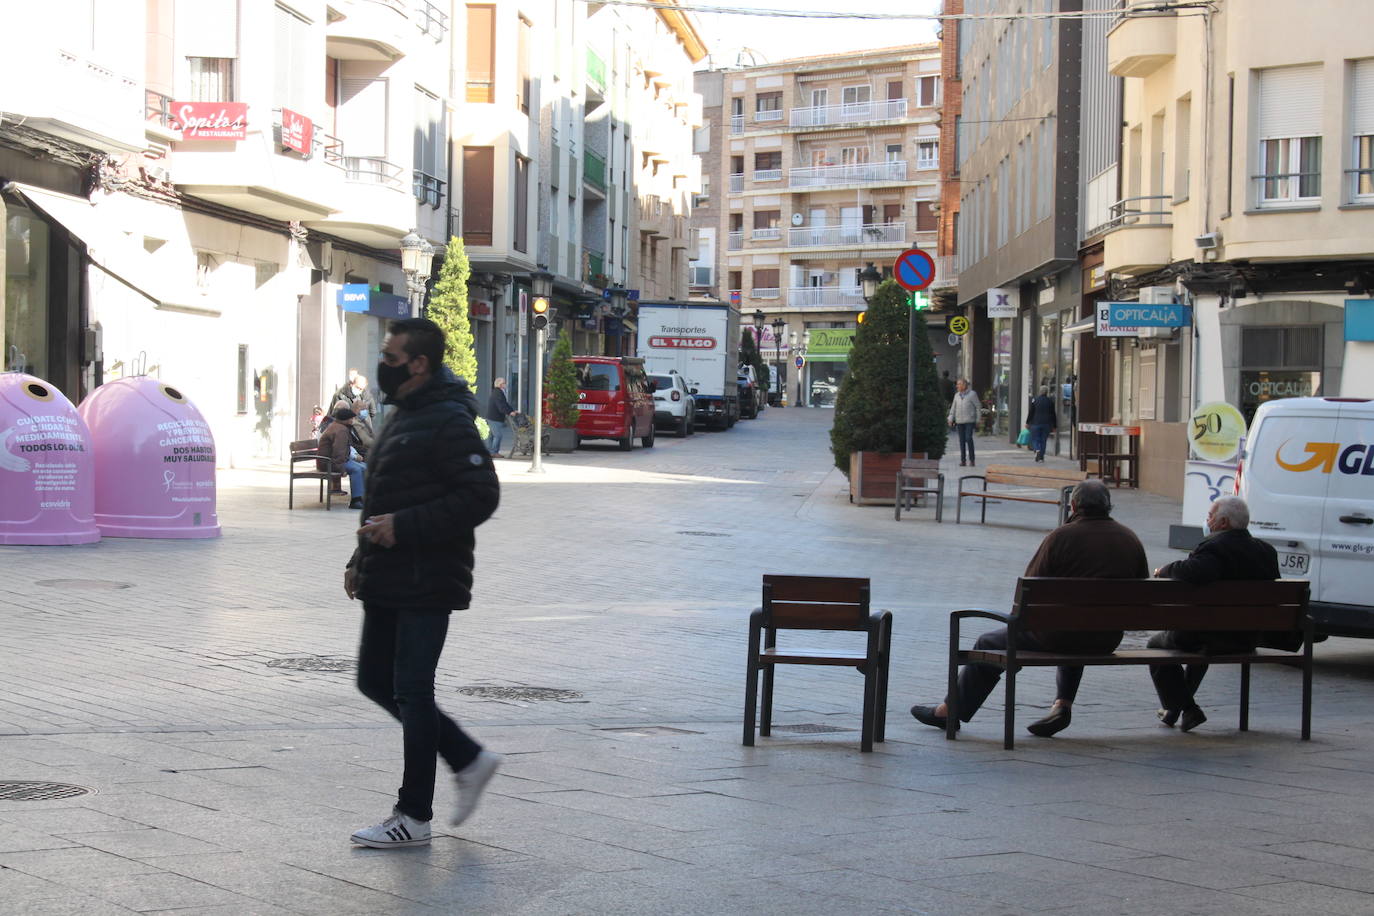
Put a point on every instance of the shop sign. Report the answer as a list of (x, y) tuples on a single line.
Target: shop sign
[(387, 305), (480, 309), (297, 132), (211, 120), (1260, 385), (1215, 431), (353, 297), (830, 344), (1359, 319), (1002, 301), (1105, 328), (1145, 315)]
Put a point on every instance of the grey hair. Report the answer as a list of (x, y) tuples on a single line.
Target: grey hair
[(1234, 510), (1044, 389), (1091, 497), (498, 382), (964, 380)]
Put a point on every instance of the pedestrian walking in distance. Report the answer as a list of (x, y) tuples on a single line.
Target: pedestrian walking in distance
[(430, 483), (963, 415), (498, 409), (1040, 420)]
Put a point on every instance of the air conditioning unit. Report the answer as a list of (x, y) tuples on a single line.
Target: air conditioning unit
[(1156, 295), (1208, 241), (1158, 333)]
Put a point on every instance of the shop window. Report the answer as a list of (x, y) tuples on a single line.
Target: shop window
[(26, 313), (1278, 363), (212, 79), (242, 407)]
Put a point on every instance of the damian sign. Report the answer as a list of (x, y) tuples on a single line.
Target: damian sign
[(211, 120)]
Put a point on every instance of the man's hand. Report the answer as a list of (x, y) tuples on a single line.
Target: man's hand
[(1158, 571), (380, 530), (351, 582)]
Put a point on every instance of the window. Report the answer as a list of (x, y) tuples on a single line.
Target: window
[(767, 219), (925, 216), (522, 64), (481, 81), (765, 283), (734, 280), (1290, 143), (927, 91), (853, 155), (768, 162), (894, 91), (242, 407), (1183, 117), (212, 79), (292, 59), (478, 177), (429, 144), (768, 106), (1278, 362), (1362, 130), (856, 95), (894, 152), (522, 203), (928, 154)]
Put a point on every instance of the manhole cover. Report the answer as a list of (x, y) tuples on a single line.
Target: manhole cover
[(809, 728), (648, 731), (313, 663), (40, 791), (519, 693), (93, 584), (705, 534)]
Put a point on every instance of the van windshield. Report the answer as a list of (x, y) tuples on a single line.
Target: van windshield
[(662, 382), (598, 377)]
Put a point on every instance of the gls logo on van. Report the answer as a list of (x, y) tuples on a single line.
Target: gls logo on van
[(1353, 459)]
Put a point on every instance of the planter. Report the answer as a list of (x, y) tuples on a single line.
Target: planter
[(560, 440), (873, 477)]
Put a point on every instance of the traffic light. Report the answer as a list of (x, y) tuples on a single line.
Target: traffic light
[(540, 311)]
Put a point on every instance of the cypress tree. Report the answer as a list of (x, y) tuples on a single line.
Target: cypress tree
[(448, 308), (560, 384)]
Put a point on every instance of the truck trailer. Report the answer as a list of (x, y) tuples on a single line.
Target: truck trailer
[(700, 342)]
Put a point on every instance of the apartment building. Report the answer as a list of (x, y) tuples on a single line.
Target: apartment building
[(1246, 192), (945, 290), (823, 164), (213, 191)]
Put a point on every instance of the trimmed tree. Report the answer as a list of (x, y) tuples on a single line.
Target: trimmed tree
[(750, 355), (560, 385), (870, 408), (448, 308)]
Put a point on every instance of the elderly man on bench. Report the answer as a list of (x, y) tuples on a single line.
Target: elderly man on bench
[(1090, 545)]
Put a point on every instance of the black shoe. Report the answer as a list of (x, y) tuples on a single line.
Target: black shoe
[(355, 504), (1167, 716), (926, 716), (1058, 720), (1192, 718), (963, 463)]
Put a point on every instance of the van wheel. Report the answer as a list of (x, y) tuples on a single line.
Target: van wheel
[(627, 444), (684, 426), (649, 439)]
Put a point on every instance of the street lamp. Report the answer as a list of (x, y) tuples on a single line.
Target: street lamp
[(870, 279), (779, 328), (541, 285), (417, 257), (620, 307)]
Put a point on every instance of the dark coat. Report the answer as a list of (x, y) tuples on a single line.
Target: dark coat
[(430, 470), (1229, 555), (1041, 412), (333, 444), (498, 407), (1088, 547)]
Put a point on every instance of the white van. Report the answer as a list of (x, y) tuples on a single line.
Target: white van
[(1307, 473)]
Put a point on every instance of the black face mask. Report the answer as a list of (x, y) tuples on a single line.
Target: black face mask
[(391, 378)]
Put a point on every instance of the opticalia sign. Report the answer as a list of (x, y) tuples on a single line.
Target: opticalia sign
[(1145, 315), (211, 120), (682, 343)]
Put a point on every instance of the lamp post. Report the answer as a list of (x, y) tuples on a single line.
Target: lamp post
[(417, 257), (779, 328), (620, 307), (541, 286)]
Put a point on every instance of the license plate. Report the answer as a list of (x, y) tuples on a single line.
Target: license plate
[(586, 407), (1293, 564)]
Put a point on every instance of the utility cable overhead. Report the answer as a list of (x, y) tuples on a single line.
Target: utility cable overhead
[(1153, 9)]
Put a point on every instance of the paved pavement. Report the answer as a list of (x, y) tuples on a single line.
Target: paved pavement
[(159, 675)]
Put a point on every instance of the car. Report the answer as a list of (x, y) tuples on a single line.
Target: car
[(757, 388), (748, 402), (673, 404), (614, 400)]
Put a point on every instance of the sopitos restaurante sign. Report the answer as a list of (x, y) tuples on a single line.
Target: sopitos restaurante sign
[(211, 120)]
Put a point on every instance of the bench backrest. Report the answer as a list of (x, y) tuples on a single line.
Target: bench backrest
[(815, 602), (1033, 477), (921, 468), (305, 446), (1160, 604)]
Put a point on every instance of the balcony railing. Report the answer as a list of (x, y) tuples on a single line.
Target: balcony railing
[(596, 70), (1139, 211), (734, 241), (822, 115), (157, 107), (847, 234), (430, 20), (824, 296), (766, 233), (946, 272), (765, 292), (768, 174), (372, 170), (854, 173), (594, 170), (595, 269), (429, 189), (768, 114), (736, 183), (737, 124)]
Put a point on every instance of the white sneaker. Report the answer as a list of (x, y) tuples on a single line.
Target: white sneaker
[(472, 780), (397, 830)]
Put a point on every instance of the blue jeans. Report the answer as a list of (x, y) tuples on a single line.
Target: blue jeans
[(397, 656), (355, 471), (965, 441), (496, 429), (1038, 434)]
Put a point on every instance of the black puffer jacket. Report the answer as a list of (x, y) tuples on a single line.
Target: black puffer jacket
[(429, 468)]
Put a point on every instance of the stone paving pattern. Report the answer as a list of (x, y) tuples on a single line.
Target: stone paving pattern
[(140, 669)]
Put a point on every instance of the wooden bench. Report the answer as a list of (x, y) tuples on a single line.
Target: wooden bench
[(817, 603), (914, 479), (1040, 478), (308, 450), (1096, 605)]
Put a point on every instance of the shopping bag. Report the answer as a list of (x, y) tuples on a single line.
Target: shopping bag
[(1024, 438)]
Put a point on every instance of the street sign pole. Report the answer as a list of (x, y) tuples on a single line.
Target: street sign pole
[(914, 271), (910, 370)]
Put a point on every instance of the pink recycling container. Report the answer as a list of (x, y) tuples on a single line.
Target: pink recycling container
[(47, 467), (154, 461)]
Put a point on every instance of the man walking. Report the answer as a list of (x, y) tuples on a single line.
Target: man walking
[(1090, 545), (430, 483), (1228, 552), (963, 416), (1040, 420), (498, 409)]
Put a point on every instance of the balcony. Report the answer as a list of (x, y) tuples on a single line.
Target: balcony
[(855, 173), (734, 241), (850, 235), (768, 115), (825, 297), (596, 73), (594, 272), (594, 172), (766, 234), (826, 115), (737, 124), (430, 20), (1139, 235), (375, 209), (765, 292), (736, 183), (375, 30), (655, 220), (946, 272), (78, 99), (428, 189), (768, 174), (1139, 45)]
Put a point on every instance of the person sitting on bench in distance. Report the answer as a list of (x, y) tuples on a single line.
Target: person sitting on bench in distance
[(1228, 552), (1090, 545)]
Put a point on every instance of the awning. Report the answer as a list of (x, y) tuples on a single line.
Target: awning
[(1082, 326), (107, 246)]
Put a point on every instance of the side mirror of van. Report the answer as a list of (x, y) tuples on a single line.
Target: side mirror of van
[(692, 390)]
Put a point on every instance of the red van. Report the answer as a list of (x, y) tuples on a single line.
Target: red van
[(615, 400)]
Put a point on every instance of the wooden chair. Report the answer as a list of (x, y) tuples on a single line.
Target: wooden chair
[(817, 603), (913, 480), (319, 467)]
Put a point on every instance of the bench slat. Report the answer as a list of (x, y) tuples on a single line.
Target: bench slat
[(811, 657), (1031, 659), (1000, 494), (1060, 476)]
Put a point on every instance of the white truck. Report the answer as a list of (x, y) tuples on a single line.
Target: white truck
[(699, 341)]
